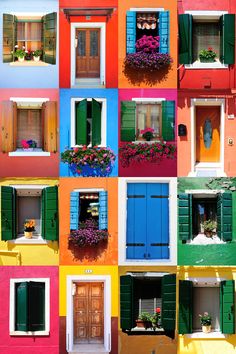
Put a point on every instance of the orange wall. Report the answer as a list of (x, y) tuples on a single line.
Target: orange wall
[(98, 255), (170, 80)]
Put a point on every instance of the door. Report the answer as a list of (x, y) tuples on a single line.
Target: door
[(89, 313), (88, 53), (208, 134)]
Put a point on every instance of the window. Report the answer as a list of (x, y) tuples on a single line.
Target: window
[(27, 318), (136, 116), (33, 33), (202, 31), (29, 202), (86, 205), (195, 208), (202, 295)]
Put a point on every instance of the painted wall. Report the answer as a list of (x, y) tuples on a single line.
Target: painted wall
[(29, 344), (217, 254), (12, 76), (111, 42), (35, 254), (28, 166), (111, 95), (64, 271), (168, 79), (168, 167), (184, 117), (203, 346), (212, 78), (105, 254)]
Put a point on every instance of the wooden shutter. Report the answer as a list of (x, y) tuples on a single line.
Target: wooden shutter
[(164, 21), (9, 38), (185, 306), (168, 120), (74, 210), (168, 310), (36, 306), (130, 32), (185, 39), (50, 209), (185, 216), (96, 123), (21, 306), (227, 34), (103, 210), (128, 114), (81, 123), (8, 213), (9, 126), (49, 37), (127, 320), (50, 126), (227, 306), (224, 216)]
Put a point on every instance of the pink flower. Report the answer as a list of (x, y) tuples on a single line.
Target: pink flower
[(24, 144)]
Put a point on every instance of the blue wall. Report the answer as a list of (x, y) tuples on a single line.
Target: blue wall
[(27, 77), (112, 120)]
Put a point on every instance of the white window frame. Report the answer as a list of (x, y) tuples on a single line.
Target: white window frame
[(122, 214), (12, 301), (206, 15), (103, 102)]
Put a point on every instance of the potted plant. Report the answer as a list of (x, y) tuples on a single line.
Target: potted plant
[(209, 227), (28, 145), (20, 54), (206, 320), (88, 234), (207, 55), (156, 319), (29, 227), (37, 54), (144, 320), (147, 134)]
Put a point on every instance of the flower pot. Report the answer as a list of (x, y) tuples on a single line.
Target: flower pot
[(36, 59), (206, 329), (21, 59), (208, 233), (88, 171), (143, 324), (28, 234), (207, 60)]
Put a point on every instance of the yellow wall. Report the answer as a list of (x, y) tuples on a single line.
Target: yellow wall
[(64, 271), (46, 254)]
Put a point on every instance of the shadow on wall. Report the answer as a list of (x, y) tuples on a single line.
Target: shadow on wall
[(151, 78), (89, 253)]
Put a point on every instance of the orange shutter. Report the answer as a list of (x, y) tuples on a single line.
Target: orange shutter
[(9, 126), (50, 126)]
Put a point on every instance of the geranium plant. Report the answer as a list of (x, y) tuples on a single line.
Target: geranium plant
[(156, 319), (37, 53), (88, 234), (207, 55), (147, 133), (19, 53), (205, 319), (29, 225), (28, 144)]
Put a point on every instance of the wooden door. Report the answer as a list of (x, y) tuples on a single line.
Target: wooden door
[(89, 313), (208, 134), (88, 53)]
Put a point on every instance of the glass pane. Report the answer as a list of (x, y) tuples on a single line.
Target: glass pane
[(203, 210), (207, 133), (141, 117), (20, 31), (81, 43), (34, 31), (205, 35), (155, 119), (93, 43)]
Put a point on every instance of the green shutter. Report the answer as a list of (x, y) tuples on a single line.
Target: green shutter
[(227, 36), (185, 216), (50, 217), (96, 123), (8, 213), (21, 306), (185, 39), (127, 320), (227, 306), (81, 123), (224, 216), (36, 306), (168, 120), (49, 37), (128, 114), (168, 302), (185, 306), (9, 39)]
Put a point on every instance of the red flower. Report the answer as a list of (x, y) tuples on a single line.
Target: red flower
[(158, 310), (210, 49)]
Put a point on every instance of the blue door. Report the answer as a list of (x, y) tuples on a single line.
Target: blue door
[(147, 221)]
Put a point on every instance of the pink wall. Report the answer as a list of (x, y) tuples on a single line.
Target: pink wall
[(28, 166), (167, 167), (29, 345)]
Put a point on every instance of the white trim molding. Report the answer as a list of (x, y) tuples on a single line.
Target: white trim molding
[(147, 9), (148, 100), (122, 225)]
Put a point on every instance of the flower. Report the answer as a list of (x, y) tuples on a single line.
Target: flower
[(29, 225), (88, 234), (26, 144), (158, 310)]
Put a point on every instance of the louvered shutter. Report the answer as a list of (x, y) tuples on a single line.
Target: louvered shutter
[(185, 306), (103, 210), (227, 306), (9, 126), (96, 123), (168, 310), (164, 23), (21, 306), (227, 42), (36, 306), (185, 216), (9, 37), (185, 39), (50, 126), (74, 210), (49, 37), (130, 32), (50, 208), (128, 113), (224, 216), (8, 213), (127, 320), (81, 123), (168, 120)]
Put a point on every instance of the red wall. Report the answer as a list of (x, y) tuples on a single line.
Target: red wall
[(28, 166), (111, 40)]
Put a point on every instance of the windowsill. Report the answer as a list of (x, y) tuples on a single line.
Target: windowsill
[(29, 241), (36, 152), (37, 333), (28, 63), (198, 65), (202, 240), (148, 142), (202, 335)]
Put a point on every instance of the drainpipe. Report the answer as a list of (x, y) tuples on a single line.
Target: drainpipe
[(16, 253)]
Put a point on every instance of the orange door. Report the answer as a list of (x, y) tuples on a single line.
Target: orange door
[(88, 53), (89, 313), (207, 133)]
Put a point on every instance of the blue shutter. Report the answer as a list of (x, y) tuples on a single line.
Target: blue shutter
[(164, 31), (157, 212), (74, 210), (130, 32), (103, 210)]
